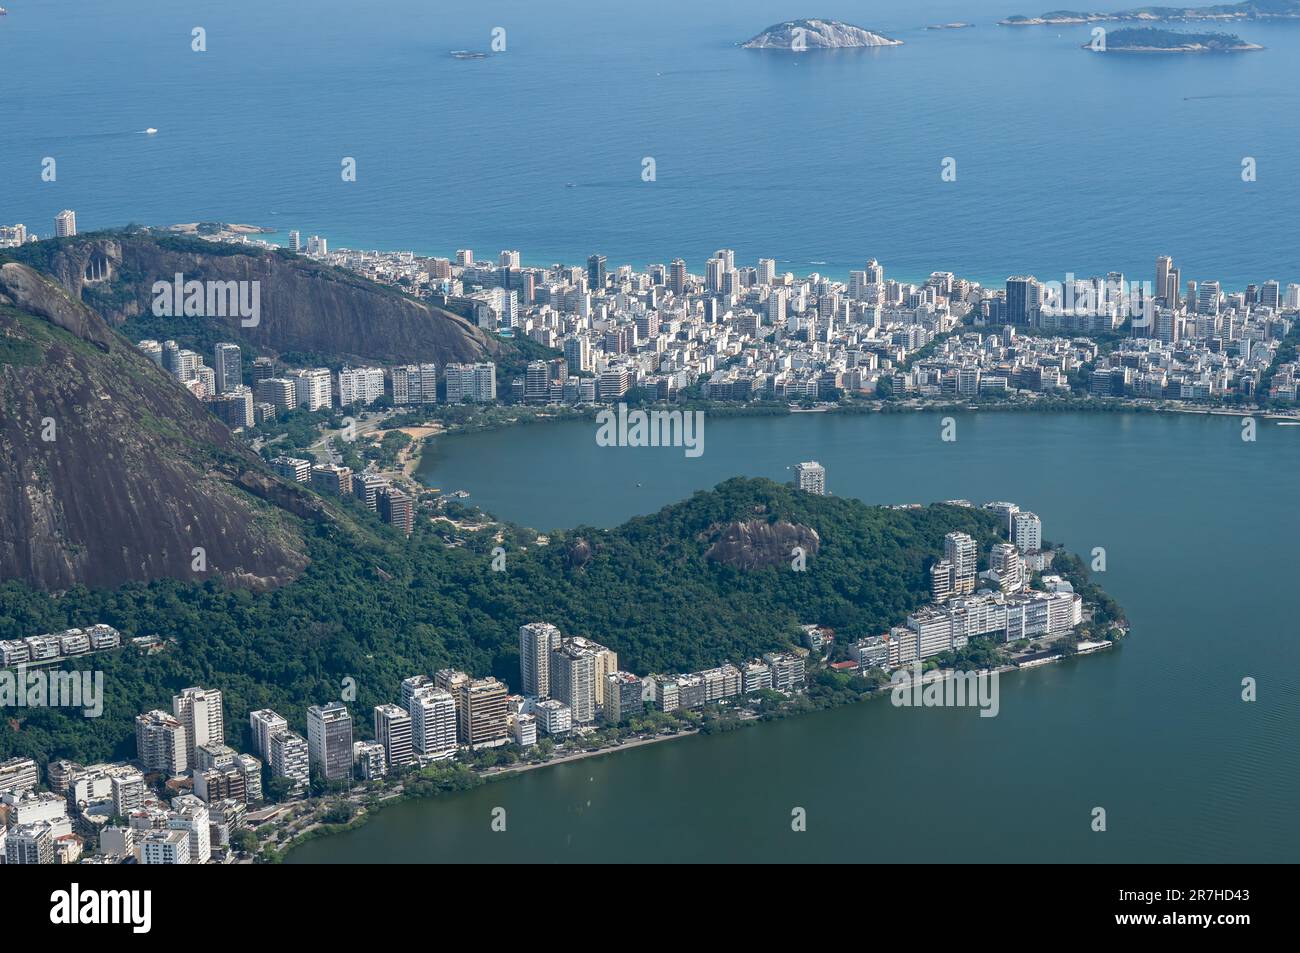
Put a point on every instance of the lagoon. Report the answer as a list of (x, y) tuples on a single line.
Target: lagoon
[(1198, 528)]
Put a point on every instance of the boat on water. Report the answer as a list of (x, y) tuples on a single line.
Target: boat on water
[(151, 131)]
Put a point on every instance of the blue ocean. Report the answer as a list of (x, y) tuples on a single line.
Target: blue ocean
[(1066, 160)]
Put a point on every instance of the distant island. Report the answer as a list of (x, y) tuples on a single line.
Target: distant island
[(1150, 40), (1248, 10), (950, 26), (798, 36)]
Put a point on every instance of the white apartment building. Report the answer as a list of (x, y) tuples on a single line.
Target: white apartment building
[(1026, 531), (810, 477), (536, 642), (290, 758), (433, 723), (264, 724), (606, 663), (165, 847), (414, 384), (959, 551), (553, 717), (160, 742), (360, 385), (311, 387), (525, 730), (65, 224), (199, 710), (755, 677), (370, 759), (573, 680), (1006, 566), (473, 382), (191, 816), (393, 731)]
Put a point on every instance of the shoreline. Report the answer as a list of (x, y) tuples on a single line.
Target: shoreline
[(1084, 406), (492, 775), (496, 774)]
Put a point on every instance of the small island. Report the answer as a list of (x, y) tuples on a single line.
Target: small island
[(951, 26), (799, 36), (1150, 40), (1247, 10)]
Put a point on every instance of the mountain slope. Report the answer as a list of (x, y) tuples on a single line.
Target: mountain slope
[(306, 307), (113, 473)]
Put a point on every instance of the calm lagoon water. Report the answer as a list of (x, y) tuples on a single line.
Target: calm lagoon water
[(1198, 530)]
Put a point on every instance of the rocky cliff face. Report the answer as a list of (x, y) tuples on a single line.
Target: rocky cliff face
[(800, 35), (114, 473), (753, 544), (304, 306)]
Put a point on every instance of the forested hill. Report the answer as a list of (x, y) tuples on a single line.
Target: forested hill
[(700, 582)]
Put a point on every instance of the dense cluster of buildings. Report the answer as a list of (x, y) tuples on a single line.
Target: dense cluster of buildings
[(569, 685), (65, 225), (276, 391), (740, 332), (737, 332), (1199, 367), (998, 603), (744, 333), (1205, 346), (394, 505), (272, 393), (58, 645), (978, 365), (207, 785)]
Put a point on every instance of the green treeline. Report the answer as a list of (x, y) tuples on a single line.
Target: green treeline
[(376, 612)]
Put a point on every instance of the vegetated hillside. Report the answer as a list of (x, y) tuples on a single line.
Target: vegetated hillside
[(1148, 39), (306, 307), (113, 472), (1248, 10), (646, 589)]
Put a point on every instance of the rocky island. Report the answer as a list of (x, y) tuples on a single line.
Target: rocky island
[(799, 36), (1148, 40), (1248, 10)]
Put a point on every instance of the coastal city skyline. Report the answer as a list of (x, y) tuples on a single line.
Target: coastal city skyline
[(504, 436), (567, 686)]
